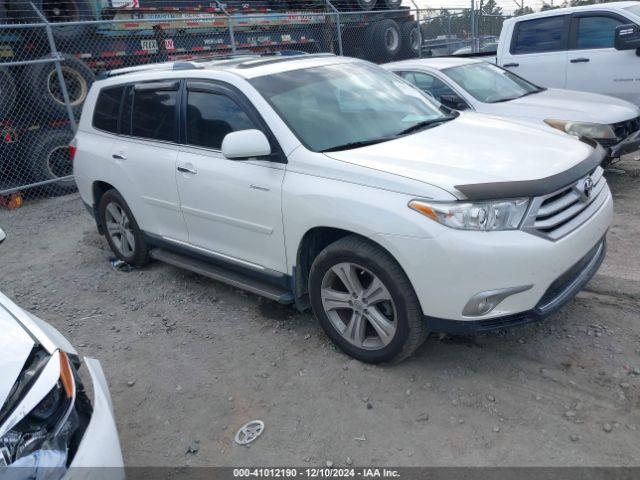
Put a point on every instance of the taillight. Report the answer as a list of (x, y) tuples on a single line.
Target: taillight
[(72, 149)]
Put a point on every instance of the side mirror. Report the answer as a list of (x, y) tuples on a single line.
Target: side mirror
[(245, 144), (453, 101), (2, 236), (627, 37)]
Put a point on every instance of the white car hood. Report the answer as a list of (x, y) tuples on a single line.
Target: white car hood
[(473, 149), (567, 105), (20, 332), (15, 347)]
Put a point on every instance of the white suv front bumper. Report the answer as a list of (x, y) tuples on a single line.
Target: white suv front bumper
[(448, 270)]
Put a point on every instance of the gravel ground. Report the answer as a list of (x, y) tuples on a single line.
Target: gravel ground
[(190, 360)]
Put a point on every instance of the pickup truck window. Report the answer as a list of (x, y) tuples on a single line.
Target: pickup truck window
[(347, 105), (490, 84), (211, 116), (546, 34), (596, 32)]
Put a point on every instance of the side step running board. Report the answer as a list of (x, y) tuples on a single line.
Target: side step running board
[(225, 275)]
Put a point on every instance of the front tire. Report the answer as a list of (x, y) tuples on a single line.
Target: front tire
[(121, 230), (365, 302)]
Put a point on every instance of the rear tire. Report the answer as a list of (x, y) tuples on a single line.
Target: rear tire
[(384, 40), (120, 225), (376, 319), (410, 39)]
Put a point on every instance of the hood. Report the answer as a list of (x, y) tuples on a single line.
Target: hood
[(570, 105), (15, 346), (21, 331), (473, 149)]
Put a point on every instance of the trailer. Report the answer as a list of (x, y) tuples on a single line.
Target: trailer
[(35, 117)]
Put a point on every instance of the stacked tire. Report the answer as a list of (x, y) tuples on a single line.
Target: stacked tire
[(40, 152), (43, 88), (50, 159), (58, 13), (386, 40)]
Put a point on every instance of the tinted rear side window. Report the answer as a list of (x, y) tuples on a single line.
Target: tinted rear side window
[(540, 35), (105, 115), (211, 116), (153, 114), (596, 32)]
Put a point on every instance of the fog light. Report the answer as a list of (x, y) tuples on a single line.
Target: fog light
[(483, 302)]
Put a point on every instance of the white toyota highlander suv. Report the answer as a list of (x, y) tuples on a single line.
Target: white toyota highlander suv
[(329, 182)]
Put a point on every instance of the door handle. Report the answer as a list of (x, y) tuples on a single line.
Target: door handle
[(508, 65), (117, 156), (186, 170), (579, 60)]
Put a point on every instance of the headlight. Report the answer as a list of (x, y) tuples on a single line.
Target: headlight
[(483, 216), (589, 130), (44, 436)]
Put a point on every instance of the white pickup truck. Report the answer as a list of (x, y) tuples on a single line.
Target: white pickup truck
[(593, 48)]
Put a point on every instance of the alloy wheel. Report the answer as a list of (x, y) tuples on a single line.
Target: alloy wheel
[(359, 306), (119, 229)]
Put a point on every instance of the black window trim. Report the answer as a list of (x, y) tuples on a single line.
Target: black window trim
[(565, 34), (225, 89), (182, 86), (575, 19), (129, 88)]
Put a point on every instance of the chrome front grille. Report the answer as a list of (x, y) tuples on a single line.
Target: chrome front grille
[(555, 215)]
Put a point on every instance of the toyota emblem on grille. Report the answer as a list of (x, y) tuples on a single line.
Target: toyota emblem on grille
[(585, 189), (588, 187)]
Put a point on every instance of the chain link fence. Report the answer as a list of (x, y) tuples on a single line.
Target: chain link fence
[(51, 51)]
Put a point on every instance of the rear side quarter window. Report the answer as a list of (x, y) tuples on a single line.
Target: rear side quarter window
[(540, 35), (107, 109), (154, 111)]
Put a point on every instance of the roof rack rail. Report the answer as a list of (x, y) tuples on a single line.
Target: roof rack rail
[(182, 65), (139, 68), (267, 60)]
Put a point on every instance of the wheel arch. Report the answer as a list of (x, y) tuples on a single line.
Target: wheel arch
[(98, 189), (313, 241)]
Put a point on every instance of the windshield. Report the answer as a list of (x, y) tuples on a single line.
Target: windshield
[(336, 107), (635, 9), (490, 84)]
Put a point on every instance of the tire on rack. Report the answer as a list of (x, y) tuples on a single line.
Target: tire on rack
[(365, 5), (364, 301), (121, 229), (49, 158), (383, 41), (57, 12), (391, 4), (7, 93), (43, 88), (410, 39)]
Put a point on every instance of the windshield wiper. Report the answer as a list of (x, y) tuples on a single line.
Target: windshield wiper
[(523, 95), (425, 124), (350, 145)]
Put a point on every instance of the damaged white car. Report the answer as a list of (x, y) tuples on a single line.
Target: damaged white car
[(55, 408)]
